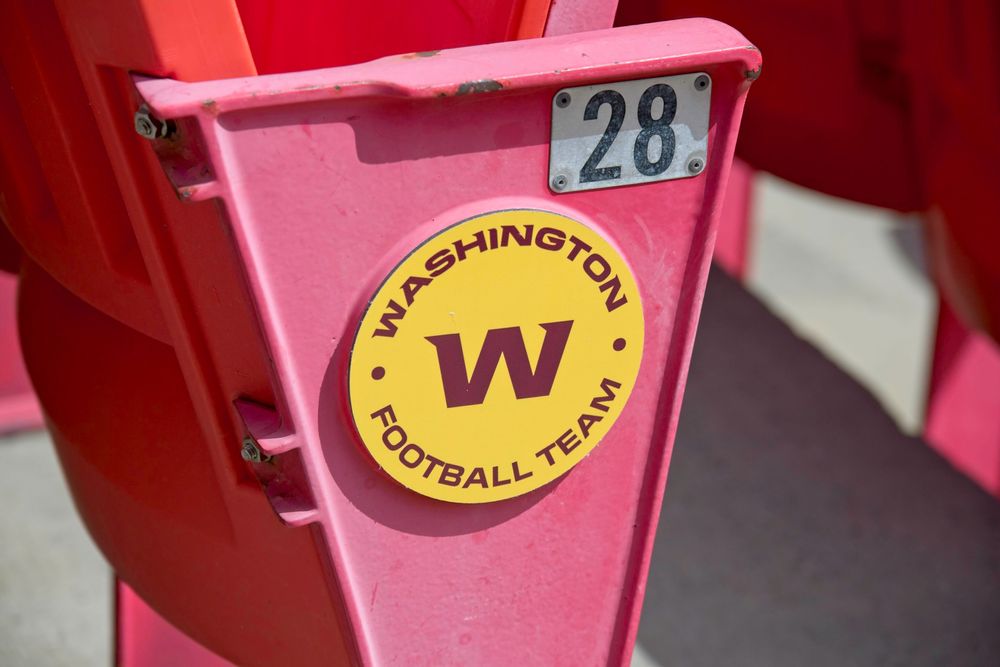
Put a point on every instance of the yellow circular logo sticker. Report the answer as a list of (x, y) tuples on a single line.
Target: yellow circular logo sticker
[(496, 356)]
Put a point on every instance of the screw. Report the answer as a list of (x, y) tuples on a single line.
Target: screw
[(251, 452), (695, 165), (701, 83), (149, 126), (562, 100), (559, 183)]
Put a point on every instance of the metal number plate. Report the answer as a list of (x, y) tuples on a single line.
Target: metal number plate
[(629, 132)]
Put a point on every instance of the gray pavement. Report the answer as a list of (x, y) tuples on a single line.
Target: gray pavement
[(801, 527), (55, 588), (850, 279)]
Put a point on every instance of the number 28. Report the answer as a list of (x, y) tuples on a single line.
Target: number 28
[(590, 172)]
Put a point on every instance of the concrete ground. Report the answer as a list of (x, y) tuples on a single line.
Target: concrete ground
[(55, 588), (801, 526), (851, 280)]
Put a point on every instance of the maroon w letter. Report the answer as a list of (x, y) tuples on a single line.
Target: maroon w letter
[(459, 389)]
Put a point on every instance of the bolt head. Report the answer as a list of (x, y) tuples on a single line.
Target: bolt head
[(559, 183), (702, 82), (148, 126), (250, 452), (144, 126), (695, 165), (563, 100)]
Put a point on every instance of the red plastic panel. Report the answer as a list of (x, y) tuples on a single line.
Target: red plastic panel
[(172, 509), (70, 188), (954, 50), (310, 34), (182, 533), (833, 112)]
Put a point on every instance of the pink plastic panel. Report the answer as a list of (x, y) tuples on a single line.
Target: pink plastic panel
[(19, 407), (569, 16), (732, 243), (144, 639), (329, 178), (963, 406)]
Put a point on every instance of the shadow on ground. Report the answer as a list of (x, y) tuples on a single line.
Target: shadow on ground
[(800, 527)]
